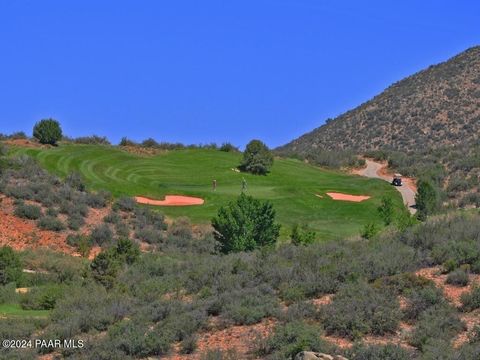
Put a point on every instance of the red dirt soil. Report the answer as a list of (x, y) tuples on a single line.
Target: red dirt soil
[(398, 338), (21, 234), (347, 197), (25, 143), (452, 293), (238, 337), (171, 200)]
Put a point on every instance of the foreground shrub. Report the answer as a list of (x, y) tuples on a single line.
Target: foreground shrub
[(220, 355), (145, 217), (427, 199), (75, 221), (302, 235), (471, 300), (75, 181), (112, 218), (291, 338), (303, 310), (437, 323), (458, 277), (386, 210), (125, 204), (32, 212), (188, 345), (249, 306), (8, 294), (10, 266), (104, 268), (86, 308), (245, 224), (369, 230), (101, 235), (82, 243), (98, 200), (135, 339), (419, 300), (42, 297), (50, 223), (404, 283), (378, 352), (19, 328), (149, 235), (359, 309)]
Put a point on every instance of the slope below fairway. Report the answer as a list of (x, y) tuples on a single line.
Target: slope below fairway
[(291, 186)]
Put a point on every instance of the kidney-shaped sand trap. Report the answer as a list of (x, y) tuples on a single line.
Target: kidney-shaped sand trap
[(347, 197), (171, 200)]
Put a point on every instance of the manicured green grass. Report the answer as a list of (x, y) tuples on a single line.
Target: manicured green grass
[(15, 310), (291, 185)]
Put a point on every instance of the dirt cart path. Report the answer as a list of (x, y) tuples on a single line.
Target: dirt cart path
[(374, 170)]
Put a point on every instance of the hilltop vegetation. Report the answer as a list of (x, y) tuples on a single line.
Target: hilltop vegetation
[(434, 108), (426, 126)]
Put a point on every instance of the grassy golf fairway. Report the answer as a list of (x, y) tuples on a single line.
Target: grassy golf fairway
[(291, 185), (15, 310)]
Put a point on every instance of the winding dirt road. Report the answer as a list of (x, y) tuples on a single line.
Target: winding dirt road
[(374, 170)]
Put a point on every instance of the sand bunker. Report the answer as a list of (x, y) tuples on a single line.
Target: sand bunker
[(347, 197), (171, 200)]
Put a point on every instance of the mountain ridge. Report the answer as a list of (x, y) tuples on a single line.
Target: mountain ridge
[(435, 107)]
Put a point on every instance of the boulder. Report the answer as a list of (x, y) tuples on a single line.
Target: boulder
[(310, 355)]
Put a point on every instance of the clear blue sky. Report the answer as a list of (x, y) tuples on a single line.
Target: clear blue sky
[(214, 71)]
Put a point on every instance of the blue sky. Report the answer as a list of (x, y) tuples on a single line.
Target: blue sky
[(214, 71)]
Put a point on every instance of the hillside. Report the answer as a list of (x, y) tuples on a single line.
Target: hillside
[(433, 108)]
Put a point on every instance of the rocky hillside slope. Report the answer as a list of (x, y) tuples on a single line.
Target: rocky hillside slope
[(436, 107)]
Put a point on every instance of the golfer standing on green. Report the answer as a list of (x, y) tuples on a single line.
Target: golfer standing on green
[(244, 185)]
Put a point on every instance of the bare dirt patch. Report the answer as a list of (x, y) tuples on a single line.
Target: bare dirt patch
[(470, 320), (323, 300), (398, 338), (452, 293), (142, 151), (171, 200), (347, 197), (239, 338), (25, 143), (21, 234)]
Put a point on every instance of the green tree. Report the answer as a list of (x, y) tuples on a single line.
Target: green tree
[(369, 230), (426, 199), (127, 251), (245, 224), (10, 266), (47, 131), (302, 235), (386, 210), (257, 158), (105, 267), (404, 220)]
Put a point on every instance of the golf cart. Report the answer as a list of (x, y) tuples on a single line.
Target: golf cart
[(397, 180)]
